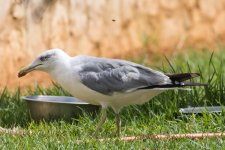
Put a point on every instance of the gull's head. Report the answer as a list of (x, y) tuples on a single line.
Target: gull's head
[(47, 62)]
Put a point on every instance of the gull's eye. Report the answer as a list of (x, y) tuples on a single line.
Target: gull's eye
[(44, 58)]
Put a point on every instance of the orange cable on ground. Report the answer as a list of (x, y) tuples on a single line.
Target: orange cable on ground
[(166, 136)]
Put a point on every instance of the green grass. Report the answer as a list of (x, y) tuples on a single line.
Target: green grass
[(158, 116)]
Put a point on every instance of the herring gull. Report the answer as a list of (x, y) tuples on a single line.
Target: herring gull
[(107, 82)]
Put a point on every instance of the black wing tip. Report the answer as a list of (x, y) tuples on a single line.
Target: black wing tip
[(182, 84), (180, 77), (196, 74)]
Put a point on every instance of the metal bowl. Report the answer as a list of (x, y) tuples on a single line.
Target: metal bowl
[(57, 107), (199, 110)]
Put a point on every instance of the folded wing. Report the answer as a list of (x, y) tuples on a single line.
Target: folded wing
[(107, 76)]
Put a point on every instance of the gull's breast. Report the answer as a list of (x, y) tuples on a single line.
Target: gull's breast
[(73, 85)]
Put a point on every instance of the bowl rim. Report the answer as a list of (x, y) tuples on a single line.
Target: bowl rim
[(29, 98), (212, 109)]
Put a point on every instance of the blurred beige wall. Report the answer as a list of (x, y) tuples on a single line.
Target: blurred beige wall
[(110, 28)]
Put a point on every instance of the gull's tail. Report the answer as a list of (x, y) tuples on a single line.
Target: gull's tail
[(180, 77), (177, 81)]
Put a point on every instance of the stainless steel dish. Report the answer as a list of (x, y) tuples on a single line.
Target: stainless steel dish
[(57, 107), (198, 110)]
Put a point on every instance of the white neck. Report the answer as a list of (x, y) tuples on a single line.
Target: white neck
[(61, 67)]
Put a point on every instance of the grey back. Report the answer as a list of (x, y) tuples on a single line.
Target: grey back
[(107, 76)]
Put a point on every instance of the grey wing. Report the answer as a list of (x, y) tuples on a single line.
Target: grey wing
[(109, 76)]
